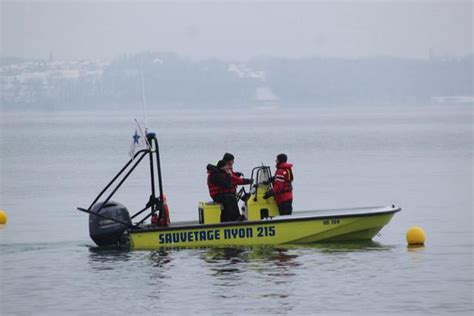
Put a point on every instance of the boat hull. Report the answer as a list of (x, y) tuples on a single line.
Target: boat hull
[(281, 230)]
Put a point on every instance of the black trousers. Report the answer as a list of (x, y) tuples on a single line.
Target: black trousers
[(230, 212), (286, 208)]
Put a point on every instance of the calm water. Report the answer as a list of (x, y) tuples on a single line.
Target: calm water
[(419, 158)]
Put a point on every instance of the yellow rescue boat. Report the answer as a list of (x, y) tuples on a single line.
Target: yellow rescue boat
[(300, 228), (111, 224)]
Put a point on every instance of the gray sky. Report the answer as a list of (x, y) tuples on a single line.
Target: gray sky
[(237, 30)]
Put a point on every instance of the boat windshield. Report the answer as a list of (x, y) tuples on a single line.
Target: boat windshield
[(262, 175)]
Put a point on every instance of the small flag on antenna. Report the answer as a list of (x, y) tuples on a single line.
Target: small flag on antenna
[(139, 141)]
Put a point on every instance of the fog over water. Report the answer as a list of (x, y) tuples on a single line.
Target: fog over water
[(89, 55)]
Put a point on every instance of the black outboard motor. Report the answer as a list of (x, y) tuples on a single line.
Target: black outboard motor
[(105, 232)]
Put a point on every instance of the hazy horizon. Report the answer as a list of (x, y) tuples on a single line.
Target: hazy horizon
[(236, 30), (234, 53)]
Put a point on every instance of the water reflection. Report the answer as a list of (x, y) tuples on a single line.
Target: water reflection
[(360, 246), (270, 275), (416, 253), (246, 254), (233, 254), (105, 258), (159, 258), (225, 260), (258, 258), (276, 262), (107, 254), (156, 265)]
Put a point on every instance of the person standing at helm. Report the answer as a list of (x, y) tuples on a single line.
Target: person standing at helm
[(237, 178), (282, 185), (221, 189)]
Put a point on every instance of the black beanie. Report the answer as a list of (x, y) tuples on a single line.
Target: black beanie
[(228, 157), (221, 164), (282, 158)]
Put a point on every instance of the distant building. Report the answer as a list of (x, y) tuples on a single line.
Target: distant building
[(266, 98)]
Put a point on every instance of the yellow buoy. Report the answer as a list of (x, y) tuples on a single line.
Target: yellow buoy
[(415, 236), (3, 217)]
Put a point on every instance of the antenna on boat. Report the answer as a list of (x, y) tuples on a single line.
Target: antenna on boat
[(143, 95)]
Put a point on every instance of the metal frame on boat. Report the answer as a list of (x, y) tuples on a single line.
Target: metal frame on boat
[(155, 204)]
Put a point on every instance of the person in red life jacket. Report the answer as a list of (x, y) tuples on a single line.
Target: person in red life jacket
[(221, 189), (282, 185), (237, 178)]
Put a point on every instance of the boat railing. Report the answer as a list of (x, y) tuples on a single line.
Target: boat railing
[(155, 203)]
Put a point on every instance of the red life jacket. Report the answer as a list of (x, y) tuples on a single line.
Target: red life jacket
[(215, 188), (282, 185)]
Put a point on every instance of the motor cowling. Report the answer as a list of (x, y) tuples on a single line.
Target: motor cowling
[(106, 232)]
